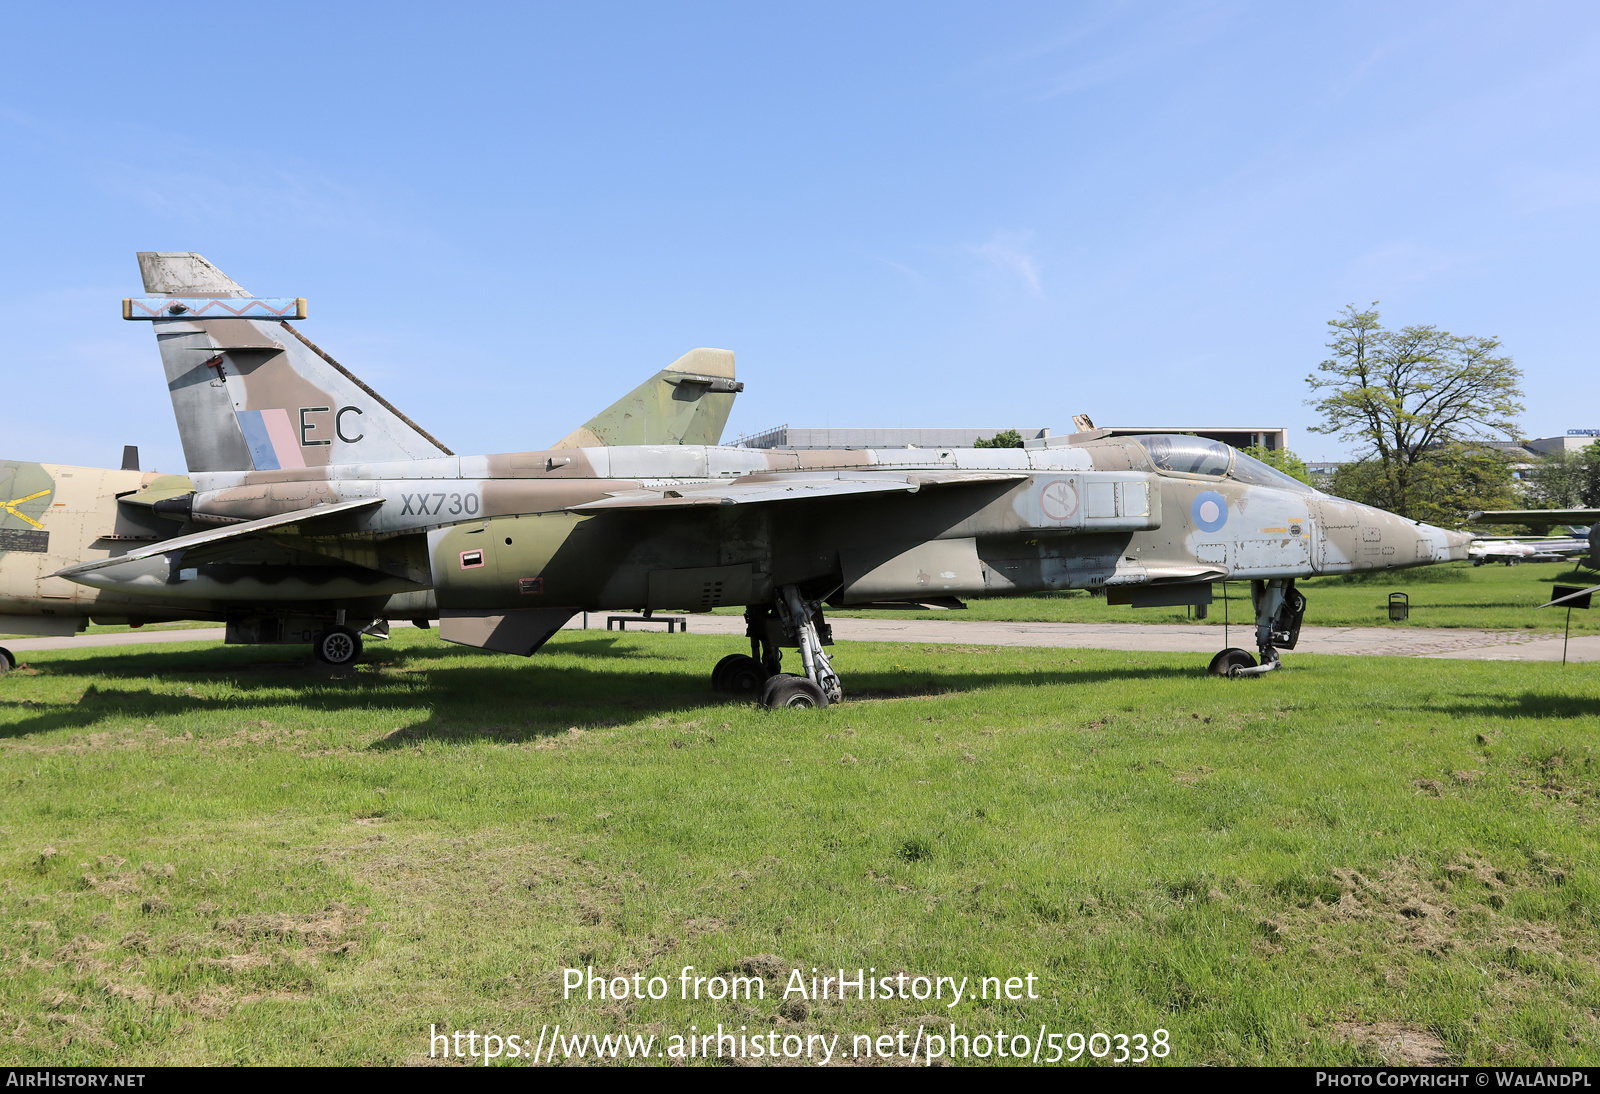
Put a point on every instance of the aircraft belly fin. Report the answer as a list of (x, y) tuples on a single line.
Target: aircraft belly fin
[(516, 630)]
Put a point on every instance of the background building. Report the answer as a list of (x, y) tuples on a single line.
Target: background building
[(786, 436)]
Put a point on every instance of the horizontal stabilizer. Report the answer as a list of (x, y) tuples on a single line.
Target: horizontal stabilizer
[(283, 521)]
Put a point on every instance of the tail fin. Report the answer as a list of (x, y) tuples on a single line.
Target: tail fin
[(687, 402), (250, 392)]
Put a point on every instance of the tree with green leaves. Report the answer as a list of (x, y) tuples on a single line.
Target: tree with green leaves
[(1006, 438), (1556, 481), (1404, 394), (1446, 483), (1283, 460), (1589, 475)]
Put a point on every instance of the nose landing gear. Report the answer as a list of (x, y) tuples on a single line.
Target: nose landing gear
[(1279, 612)]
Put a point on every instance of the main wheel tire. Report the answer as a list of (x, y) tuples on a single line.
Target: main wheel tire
[(1230, 660), (743, 677), (337, 646), (789, 692), (7, 661), (719, 675)]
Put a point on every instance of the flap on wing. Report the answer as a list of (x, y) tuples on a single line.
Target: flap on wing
[(962, 478), (301, 517), (1162, 573), (758, 490), (744, 493)]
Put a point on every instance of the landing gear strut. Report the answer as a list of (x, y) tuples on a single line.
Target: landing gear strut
[(1279, 611), (791, 620)]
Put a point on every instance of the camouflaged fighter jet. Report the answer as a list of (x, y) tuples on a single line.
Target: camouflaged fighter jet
[(308, 483)]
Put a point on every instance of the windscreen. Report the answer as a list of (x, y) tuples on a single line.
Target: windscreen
[(1187, 455), (1251, 470)]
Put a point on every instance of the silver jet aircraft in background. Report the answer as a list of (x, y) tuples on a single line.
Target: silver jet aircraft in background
[(318, 509)]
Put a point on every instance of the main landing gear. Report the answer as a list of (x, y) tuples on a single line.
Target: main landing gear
[(1279, 611), (7, 661), (338, 645), (791, 620)]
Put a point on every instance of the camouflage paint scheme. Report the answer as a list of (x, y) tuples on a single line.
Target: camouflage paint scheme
[(312, 496)]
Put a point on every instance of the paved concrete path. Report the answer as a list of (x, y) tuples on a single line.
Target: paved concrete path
[(1442, 642)]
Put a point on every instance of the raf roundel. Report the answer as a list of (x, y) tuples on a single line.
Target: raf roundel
[(1210, 511)]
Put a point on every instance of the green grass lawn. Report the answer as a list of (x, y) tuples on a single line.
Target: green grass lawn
[(232, 855), (1451, 595)]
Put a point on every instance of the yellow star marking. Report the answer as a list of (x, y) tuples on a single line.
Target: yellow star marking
[(11, 507)]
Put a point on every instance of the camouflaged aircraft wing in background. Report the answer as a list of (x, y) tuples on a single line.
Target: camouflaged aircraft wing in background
[(688, 402)]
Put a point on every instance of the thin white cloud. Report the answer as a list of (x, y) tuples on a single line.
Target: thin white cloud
[(911, 274), (1009, 252)]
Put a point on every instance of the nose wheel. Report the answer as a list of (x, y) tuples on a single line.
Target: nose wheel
[(1279, 612)]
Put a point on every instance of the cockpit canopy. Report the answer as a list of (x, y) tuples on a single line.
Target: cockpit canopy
[(1180, 454)]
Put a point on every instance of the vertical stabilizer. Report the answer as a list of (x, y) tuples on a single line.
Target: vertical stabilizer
[(688, 402), (251, 393)]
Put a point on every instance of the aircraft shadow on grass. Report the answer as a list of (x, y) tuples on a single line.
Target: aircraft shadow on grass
[(1529, 704), (509, 702)]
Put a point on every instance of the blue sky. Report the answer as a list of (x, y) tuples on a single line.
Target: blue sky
[(504, 216)]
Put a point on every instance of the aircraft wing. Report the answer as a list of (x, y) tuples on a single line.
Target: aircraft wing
[(298, 517), (1536, 516), (760, 490)]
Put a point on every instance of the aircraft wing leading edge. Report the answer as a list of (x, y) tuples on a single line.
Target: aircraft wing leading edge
[(787, 489)]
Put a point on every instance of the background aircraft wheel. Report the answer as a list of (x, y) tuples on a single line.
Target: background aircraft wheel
[(337, 646), (739, 674), (7, 661), (1224, 663), (793, 692)]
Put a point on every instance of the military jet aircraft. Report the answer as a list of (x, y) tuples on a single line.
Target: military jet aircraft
[(1585, 548), (1510, 550), (309, 487)]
